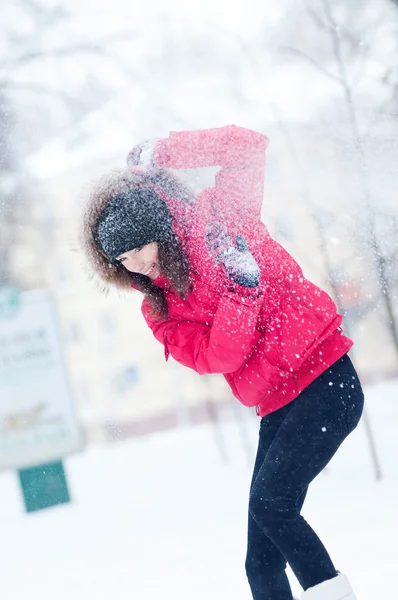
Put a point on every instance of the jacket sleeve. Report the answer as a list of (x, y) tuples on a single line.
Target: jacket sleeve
[(220, 348), (240, 153)]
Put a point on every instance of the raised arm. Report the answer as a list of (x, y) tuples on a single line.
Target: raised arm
[(240, 153), (230, 146)]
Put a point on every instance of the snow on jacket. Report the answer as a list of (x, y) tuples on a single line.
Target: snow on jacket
[(269, 346)]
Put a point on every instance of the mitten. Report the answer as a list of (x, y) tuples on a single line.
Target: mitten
[(239, 263), (142, 155)]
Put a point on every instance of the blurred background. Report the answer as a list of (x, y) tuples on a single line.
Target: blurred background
[(152, 462)]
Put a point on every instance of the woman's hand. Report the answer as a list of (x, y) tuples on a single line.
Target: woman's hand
[(142, 155), (239, 263)]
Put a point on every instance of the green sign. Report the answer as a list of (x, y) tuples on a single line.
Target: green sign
[(44, 486), (9, 301)]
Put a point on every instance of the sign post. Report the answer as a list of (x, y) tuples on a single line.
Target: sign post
[(44, 486), (38, 425)]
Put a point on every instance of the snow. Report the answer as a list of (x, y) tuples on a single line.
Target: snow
[(164, 517)]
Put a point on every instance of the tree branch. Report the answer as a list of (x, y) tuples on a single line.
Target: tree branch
[(366, 49), (56, 53), (328, 26), (99, 47), (299, 53), (38, 10), (36, 89), (317, 19)]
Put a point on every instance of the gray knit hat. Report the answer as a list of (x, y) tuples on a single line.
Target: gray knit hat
[(133, 219)]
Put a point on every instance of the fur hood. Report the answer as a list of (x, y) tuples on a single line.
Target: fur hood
[(169, 187)]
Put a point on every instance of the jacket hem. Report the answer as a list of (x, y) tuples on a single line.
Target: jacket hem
[(323, 357)]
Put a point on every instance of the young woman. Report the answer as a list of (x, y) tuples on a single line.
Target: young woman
[(223, 297)]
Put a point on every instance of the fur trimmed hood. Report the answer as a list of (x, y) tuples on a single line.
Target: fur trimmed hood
[(170, 188)]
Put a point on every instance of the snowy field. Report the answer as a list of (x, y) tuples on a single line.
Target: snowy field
[(164, 518)]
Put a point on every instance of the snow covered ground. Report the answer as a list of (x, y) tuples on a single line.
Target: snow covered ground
[(163, 517)]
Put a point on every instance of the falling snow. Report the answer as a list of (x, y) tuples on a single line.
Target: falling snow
[(254, 267)]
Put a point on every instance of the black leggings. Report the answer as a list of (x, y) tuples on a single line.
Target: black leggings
[(295, 443)]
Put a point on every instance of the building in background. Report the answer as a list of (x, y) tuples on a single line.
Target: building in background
[(120, 381)]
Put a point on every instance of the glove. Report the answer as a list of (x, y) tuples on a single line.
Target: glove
[(142, 155), (239, 263)]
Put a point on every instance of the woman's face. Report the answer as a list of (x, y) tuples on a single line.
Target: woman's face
[(144, 260)]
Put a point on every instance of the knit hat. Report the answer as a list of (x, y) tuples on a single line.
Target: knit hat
[(133, 219)]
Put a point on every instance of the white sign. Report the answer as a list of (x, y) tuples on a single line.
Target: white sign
[(37, 419)]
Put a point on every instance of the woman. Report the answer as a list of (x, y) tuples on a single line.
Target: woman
[(223, 297)]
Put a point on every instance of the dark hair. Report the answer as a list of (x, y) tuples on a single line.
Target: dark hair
[(174, 265)]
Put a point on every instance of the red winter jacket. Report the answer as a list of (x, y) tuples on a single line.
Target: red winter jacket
[(269, 347)]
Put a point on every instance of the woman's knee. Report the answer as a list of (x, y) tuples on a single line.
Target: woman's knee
[(271, 512)]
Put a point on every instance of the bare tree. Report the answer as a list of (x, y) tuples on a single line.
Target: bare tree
[(41, 107), (7, 186), (349, 49)]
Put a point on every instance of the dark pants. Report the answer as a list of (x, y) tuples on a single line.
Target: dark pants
[(296, 442)]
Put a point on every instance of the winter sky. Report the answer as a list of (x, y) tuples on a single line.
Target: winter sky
[(192, 92)]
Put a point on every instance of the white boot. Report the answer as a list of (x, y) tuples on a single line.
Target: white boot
[(337, 588)]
